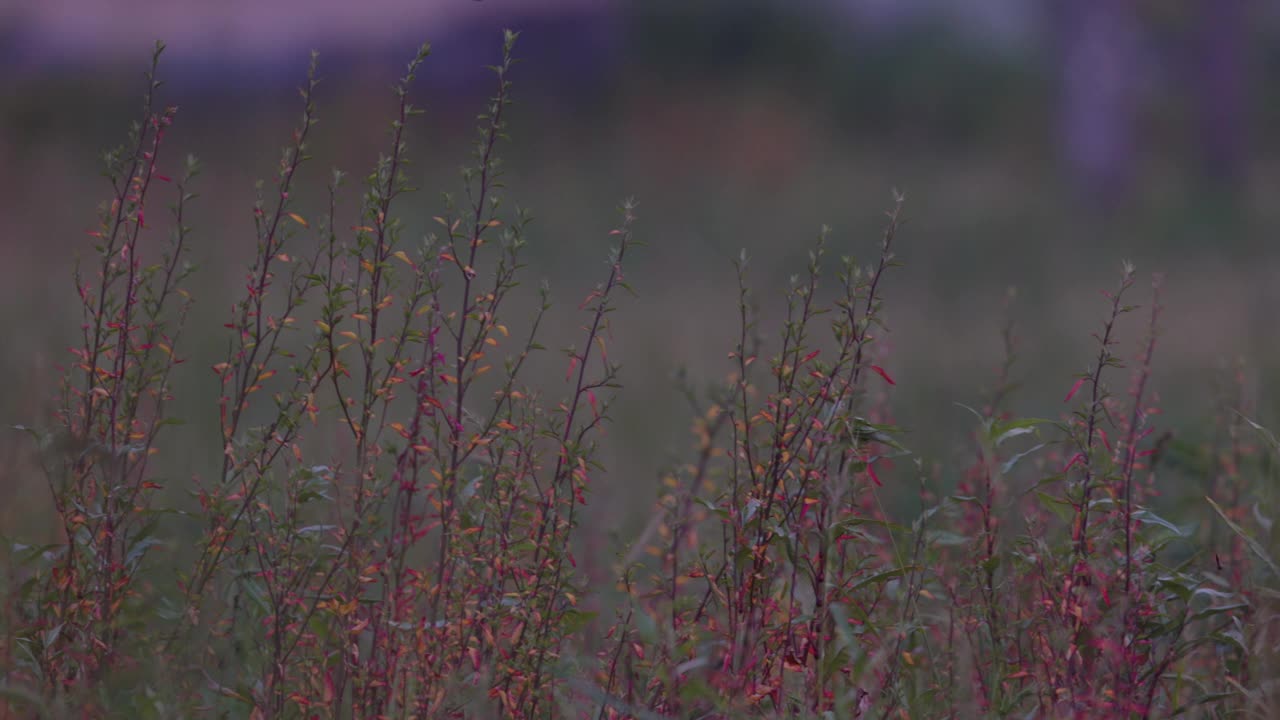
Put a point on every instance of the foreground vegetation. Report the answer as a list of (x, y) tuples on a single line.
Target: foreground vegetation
[(393, 526)]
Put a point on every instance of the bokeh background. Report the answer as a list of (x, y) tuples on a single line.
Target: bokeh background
[(1038, 142)]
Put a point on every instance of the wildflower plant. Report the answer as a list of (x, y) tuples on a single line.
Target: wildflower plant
[(391, 525)]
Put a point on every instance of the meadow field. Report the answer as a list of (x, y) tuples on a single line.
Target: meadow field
[(694, 406)]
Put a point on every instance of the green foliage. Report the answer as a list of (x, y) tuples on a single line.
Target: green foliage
[(391, 528)]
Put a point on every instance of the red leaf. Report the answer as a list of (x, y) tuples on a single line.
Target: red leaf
[(1103, 435), (1074, 389), (880, 371), (1074, 459), (872, 472), (810, 356)]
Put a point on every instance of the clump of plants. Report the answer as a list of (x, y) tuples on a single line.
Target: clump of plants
[(392, 525)]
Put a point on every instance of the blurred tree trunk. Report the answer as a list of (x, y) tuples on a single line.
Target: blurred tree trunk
[(1098, 52)]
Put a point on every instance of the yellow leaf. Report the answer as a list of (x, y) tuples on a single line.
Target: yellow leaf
[(400, 255), (298, 219)]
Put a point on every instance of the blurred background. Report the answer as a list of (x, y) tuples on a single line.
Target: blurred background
[(1038, 142)]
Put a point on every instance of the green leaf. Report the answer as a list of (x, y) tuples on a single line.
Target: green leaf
[(976, 414), (1264, 432), (883, 576), (1147, 517), (50, 636), (575, 620), (946, 538), (313, 529), (139, 549), (1254, 545), (999, 432), (1210, 612), (1180, 585), (1063, 509), (1008, 464), (848, 524), (1202, 700)]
